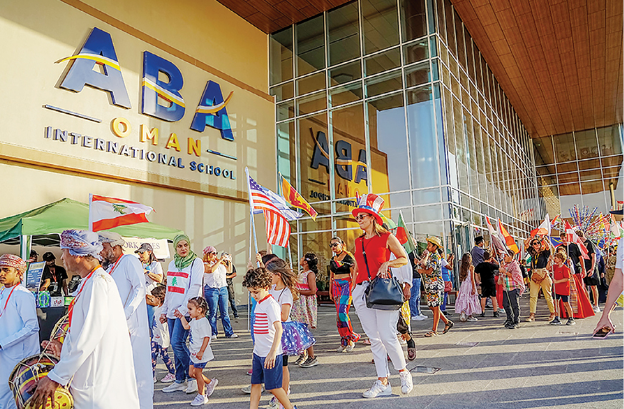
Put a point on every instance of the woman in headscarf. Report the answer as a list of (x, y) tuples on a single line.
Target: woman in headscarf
[(184, 281)]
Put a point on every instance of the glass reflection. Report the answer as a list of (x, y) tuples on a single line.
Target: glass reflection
[(388, 141), (310, 45), (413, 19), (343, 33), (280, 56), (422, 138), (380, 24)]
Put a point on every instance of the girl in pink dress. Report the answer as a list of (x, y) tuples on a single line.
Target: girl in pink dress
[(305, 308), (467, 303)]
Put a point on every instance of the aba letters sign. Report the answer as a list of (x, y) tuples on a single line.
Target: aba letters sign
[(98, 49), (161, 97)]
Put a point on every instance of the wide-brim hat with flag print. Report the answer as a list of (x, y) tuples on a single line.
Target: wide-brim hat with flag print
[(371, 204)]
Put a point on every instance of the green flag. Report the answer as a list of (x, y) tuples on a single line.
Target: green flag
[(404, 235)]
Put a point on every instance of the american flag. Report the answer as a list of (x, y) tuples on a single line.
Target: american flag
[(277, 227)]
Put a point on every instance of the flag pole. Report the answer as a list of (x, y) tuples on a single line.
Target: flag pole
[(252, 232)]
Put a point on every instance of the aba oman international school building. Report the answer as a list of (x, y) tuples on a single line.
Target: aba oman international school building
[(451, 110)]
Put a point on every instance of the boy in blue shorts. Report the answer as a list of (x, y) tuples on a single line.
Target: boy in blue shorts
[(267, 331)]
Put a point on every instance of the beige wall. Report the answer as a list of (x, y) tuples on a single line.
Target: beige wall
[(206, 41)]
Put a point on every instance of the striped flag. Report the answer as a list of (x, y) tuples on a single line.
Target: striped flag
[(295, 199), (571, 237), (511, 244), (108, 212), (404, 236), (276, 224)]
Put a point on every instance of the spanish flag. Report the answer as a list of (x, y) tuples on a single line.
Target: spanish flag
[(295, 199)]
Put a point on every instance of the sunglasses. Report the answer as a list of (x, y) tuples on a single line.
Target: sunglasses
[(535, 244), (332, 245), (361, 216)]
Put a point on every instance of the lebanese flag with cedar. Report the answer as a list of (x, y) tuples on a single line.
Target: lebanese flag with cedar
[(108, 212)]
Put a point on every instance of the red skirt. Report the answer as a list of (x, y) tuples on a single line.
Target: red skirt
[(579, 300), (499, 294)]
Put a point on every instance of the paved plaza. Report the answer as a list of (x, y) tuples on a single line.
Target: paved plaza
[(477, 364)]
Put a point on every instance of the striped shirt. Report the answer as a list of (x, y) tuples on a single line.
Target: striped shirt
[(267, 312)]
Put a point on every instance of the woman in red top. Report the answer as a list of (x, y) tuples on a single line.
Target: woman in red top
[(380, 326)]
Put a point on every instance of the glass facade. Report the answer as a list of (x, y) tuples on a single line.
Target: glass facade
[(393, 97), (582, 168)]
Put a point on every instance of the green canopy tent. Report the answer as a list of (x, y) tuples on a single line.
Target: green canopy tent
[(43, 225)]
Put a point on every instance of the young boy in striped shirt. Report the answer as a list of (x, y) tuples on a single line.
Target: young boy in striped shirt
[(267, 331)]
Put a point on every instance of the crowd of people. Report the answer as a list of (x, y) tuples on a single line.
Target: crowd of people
[(127, 309)]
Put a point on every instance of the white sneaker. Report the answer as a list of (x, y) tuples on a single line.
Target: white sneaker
[(174, 387), (419, 318), (233, 336), (168, 378), (349, 348), (247, 389), (378, 389), (406, 382), (472, 319), (341, 349), (273, 403), (596, 308), (199, 400), (211, 386), (191, 386), (462, 317)]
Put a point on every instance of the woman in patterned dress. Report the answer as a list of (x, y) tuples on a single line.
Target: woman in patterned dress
[(342, 267), (305, 308), (430, 269)]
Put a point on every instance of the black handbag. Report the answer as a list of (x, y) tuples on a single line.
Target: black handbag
[(382, 293)]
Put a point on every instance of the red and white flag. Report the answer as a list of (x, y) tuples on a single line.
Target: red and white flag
[(543, 229), (571, 237), (107, 212), (277, 226)]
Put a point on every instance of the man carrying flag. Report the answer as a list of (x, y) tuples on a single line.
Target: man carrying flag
[(295, 199)]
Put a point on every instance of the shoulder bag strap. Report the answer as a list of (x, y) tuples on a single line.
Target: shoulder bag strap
[(365, 260)]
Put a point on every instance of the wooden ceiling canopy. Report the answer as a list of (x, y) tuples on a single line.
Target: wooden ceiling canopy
[(273, 15), (558, 61)]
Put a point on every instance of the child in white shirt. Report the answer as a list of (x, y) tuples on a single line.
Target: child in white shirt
[(267, 329), (199, 347), (160, 337)]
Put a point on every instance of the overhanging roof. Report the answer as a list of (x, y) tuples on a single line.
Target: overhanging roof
[(273, 15), (559, 62)]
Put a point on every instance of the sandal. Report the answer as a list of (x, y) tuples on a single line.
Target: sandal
[(431, 334), (411, 354), (448, 326)]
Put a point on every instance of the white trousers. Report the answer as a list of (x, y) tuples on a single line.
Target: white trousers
[(142, 357), (381, 328)]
